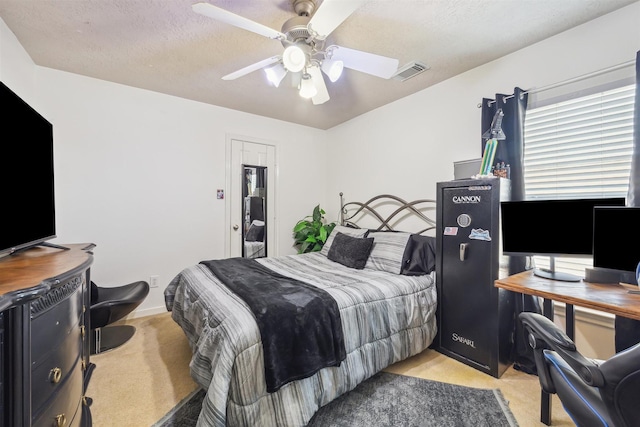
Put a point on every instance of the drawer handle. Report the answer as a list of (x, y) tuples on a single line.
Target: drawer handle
[(61, 420), (55, 375)]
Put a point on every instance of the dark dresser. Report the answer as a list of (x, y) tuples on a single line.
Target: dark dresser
[(44, 337)]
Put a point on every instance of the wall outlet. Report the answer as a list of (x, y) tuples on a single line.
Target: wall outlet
[(153, 281)]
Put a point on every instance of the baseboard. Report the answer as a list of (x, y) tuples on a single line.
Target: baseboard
[(147, 312)]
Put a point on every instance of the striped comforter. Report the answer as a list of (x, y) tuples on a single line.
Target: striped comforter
[(385, 318)]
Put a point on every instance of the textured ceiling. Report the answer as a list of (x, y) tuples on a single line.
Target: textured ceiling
[(163, 46)]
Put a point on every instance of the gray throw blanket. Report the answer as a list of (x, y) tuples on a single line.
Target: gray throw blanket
[(299, 323)]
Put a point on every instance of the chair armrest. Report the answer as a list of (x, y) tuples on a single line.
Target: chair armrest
[(548, 331), (548, 335)]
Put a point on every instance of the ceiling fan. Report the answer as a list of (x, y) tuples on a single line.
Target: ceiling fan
[(303, 38)]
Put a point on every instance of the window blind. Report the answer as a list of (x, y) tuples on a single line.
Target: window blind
[(579, 148)]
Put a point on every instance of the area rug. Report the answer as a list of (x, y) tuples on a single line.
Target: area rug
[(388, 399)]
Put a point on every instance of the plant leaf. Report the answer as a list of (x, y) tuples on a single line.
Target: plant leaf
[(311, 232), (317, 216), (323, 234), (300, 226)]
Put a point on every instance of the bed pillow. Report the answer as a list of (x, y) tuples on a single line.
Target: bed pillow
[(388, 251), (419, 256), (255, 233), (350, 231), (350, 251)]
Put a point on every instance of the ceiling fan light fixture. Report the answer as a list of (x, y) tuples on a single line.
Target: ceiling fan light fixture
[(307, 87), (276, 73), (294, 59), (303, 37), (333, 69)]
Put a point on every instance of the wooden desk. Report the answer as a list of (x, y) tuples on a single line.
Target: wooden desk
[(610, 298)]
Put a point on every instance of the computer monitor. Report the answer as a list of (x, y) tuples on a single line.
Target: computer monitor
[(616, 238), (553, 228)]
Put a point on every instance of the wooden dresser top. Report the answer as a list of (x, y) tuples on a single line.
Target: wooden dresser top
[(31, 267)]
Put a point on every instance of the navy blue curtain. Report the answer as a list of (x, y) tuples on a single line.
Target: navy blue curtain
[(511, 152), (627, 331)]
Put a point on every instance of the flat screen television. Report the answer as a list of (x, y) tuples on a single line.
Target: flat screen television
[(26, 167), (553, 228), (616, 238)]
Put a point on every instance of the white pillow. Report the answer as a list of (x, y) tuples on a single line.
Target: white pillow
[(353, 232), (388, 251)]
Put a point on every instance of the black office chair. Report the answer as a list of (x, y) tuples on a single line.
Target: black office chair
[(109, 305), (593, 392)]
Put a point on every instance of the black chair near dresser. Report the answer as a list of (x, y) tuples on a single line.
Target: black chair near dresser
[(108, 305)]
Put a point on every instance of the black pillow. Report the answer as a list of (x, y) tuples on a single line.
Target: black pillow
[(255, 233), (350, 251), (419, 256)]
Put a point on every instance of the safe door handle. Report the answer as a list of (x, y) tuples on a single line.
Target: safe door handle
[(463, 251)]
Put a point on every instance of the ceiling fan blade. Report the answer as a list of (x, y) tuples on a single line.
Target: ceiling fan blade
[(253, 67), (330, 14), (225, 16), (323, 95), (365, 62)]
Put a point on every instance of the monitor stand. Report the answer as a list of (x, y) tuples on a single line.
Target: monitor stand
[(552, 274), (46, 244), (53, 245)]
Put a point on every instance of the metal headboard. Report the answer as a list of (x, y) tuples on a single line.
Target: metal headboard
[(414, 208)]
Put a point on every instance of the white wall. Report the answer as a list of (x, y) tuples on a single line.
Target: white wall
[(137, 174), (137, 171)]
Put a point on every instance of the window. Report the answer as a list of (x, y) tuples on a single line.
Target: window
[(579, 148)]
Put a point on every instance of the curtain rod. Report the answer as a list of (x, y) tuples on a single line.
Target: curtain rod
[(572, 80)]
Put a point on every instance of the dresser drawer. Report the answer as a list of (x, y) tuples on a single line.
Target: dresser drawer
[(64, 403), (50, 373), (54, 315)]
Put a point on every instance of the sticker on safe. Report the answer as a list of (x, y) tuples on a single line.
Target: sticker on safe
[(480, 234), (451, 231)]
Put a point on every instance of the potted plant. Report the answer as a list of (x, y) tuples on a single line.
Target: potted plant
[(311, 232)]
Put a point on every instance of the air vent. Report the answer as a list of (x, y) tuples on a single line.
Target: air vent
[(410, 70)]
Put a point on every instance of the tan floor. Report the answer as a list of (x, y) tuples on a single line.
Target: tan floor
[(136, 384)]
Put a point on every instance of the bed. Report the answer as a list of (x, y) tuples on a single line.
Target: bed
[(383, 304)]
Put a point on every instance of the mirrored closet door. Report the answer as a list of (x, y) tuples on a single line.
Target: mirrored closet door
[(254, 208)]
